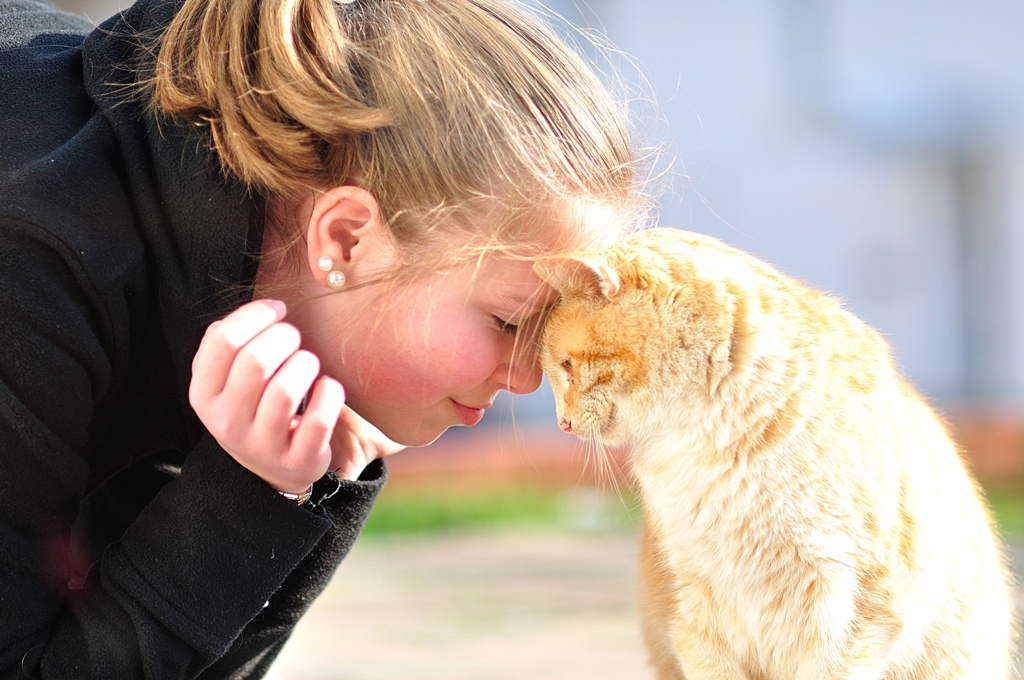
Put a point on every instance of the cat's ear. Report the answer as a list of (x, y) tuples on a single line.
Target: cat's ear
[(571, 273)]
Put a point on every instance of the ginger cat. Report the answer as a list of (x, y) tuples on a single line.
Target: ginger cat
[(806, 515)]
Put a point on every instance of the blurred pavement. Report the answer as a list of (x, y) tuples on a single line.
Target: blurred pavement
[(543, 605)]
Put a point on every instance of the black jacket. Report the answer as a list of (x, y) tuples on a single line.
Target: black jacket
[(131, 544)]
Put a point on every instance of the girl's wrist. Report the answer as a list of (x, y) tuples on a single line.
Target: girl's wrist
[(300, 498)]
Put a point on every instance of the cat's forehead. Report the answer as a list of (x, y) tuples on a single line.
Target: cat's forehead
[(569, 330), (585, 326)]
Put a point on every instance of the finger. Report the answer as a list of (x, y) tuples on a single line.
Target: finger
[(348, 455), (350, 435), (347, 446), (281, 398), (356, 443), (222, 341), (255, 366), (311, 439), (372, 439)]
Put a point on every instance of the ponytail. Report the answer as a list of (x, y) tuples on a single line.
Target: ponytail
[(273, 80), (445, 110)]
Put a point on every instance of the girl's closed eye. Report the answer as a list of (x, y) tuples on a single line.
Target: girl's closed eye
[(505, 326)]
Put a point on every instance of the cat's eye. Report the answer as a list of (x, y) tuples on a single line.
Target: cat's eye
[(567, 367)]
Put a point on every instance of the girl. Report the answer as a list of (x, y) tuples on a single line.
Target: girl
[(355, 189)]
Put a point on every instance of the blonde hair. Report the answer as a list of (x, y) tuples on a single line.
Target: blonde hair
[(457, 115)]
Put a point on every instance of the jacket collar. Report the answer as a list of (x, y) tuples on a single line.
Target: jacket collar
[(201, 230)]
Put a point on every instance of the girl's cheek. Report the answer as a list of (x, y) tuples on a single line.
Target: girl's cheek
[(477, 357)]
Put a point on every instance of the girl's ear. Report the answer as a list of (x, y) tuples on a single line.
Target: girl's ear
[(577, 273), (346, 229)]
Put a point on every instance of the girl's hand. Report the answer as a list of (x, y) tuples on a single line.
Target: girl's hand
[(356, 444), (248, 379)]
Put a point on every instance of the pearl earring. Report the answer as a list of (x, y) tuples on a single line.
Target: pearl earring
[(325, 264), (335, 279)]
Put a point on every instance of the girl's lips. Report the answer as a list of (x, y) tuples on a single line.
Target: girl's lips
[(468, 415)]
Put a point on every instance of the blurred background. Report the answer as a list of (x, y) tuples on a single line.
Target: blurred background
[(874, 150), (871, 148)]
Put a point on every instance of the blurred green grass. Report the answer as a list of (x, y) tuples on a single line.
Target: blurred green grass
[(447, 510), (1006, 499), (468, 507)]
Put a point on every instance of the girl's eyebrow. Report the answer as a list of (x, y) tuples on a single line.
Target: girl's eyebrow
[(525, 305), (515, 298)]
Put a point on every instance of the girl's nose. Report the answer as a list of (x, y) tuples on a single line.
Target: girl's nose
[(524, 379), (520, 374), (519, 368)]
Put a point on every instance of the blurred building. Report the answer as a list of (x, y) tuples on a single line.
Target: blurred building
[(874, 149)]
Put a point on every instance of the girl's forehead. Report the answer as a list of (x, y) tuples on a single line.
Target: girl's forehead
[(495, 264), (510, 282)]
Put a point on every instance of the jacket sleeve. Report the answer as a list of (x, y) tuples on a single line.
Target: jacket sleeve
[(212, 575)]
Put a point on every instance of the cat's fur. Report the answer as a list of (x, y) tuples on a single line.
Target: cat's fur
[(806, 515)]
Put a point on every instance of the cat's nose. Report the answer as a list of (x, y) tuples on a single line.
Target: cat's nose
[(565, 426)]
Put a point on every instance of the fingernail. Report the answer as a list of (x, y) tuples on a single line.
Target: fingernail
[(280, 307), (329, 379)]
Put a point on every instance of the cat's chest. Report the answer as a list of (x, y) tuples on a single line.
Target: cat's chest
[(698, 519), (732, 528)]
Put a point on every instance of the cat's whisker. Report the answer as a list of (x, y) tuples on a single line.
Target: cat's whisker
[(605, 473), (583, 449), (607, 467)]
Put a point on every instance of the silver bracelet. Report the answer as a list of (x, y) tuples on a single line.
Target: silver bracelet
[(299, 498)]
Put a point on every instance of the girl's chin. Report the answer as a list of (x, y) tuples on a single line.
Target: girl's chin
[(413, 437), (423, 427)]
